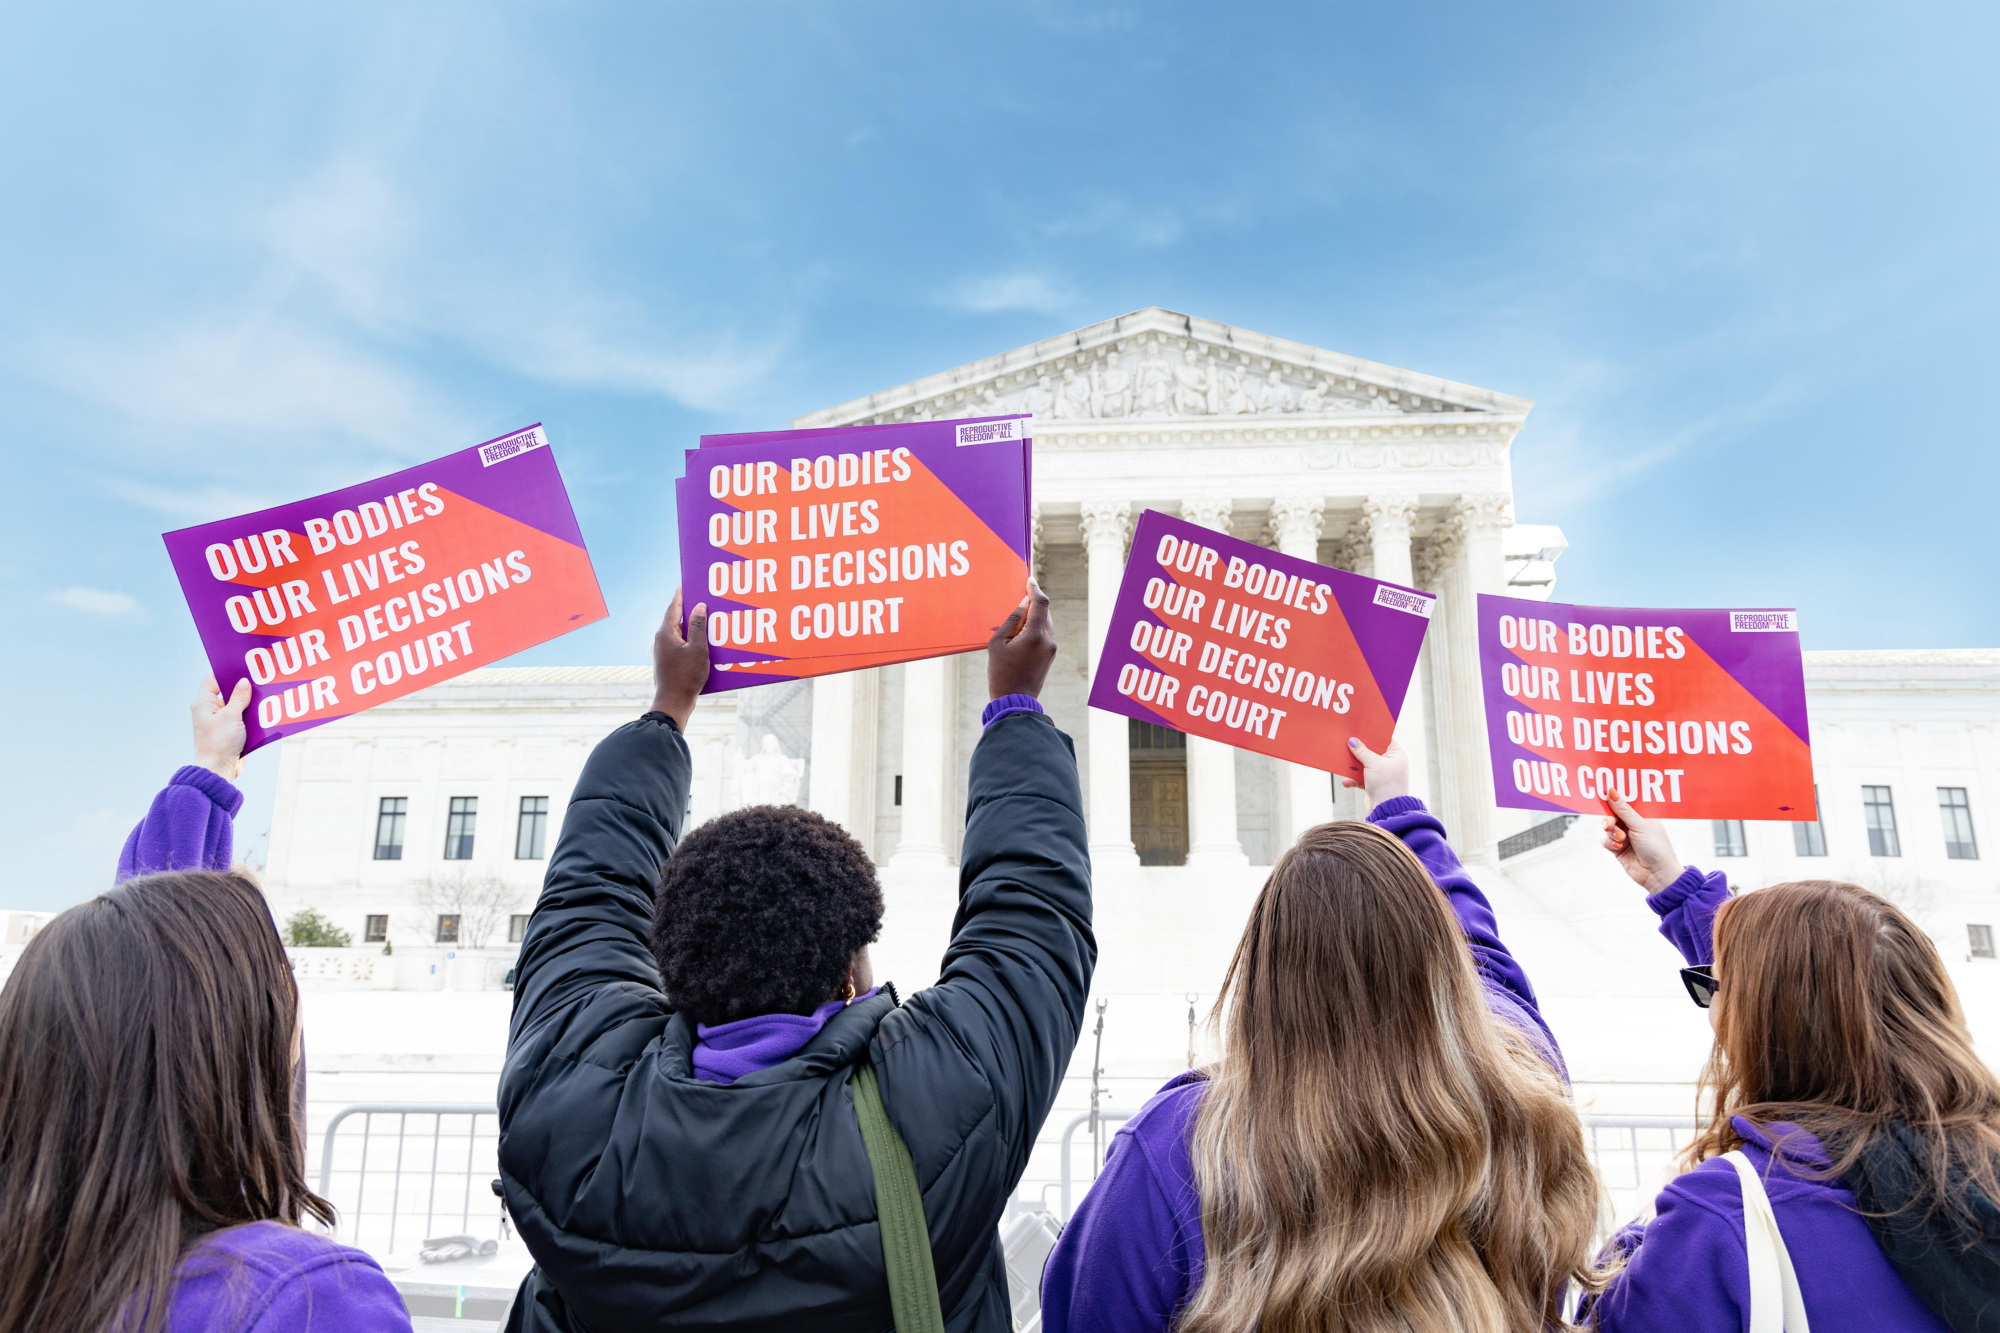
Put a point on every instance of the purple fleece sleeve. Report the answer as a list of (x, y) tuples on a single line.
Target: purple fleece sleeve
[(1129, 1258), (1508, 990), (189, 827), (1687, 909), (1686, 1270)]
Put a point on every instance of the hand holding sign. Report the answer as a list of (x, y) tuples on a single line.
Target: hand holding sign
[(218, 729), (680, 662), (1641, 846), (1021, 650)]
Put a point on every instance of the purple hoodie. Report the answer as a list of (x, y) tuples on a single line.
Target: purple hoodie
[(726, 1052), (189, 827), (266, 1277), (1131, 1257), (1688, 1268)]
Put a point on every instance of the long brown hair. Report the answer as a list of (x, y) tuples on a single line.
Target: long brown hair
[(146, 1043), (1376, 1150), (1834, 1013)]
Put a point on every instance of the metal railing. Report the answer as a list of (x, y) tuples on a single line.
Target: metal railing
[(476, 1171), (1541, 835), (1069, 1132)]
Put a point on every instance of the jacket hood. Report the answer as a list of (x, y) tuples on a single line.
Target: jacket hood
[(1947, 1251)]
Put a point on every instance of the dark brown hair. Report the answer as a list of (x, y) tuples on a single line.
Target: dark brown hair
[(146, 1075), (1376, 1150), (1834, 1013)]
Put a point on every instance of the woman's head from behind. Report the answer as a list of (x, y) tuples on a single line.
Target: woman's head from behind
[(1376, 1150), (147, 1044), (1833, 1010)]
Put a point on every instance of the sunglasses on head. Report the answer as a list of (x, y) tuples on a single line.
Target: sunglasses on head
[(1700, 983)]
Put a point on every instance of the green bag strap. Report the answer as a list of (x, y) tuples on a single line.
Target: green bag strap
[(899, 1206)]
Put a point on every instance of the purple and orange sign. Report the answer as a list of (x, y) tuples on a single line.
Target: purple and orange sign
[(359, 596), (1222, 638), (827, 551), (1686, 714)]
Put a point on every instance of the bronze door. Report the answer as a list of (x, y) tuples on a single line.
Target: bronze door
[(1159, 808)]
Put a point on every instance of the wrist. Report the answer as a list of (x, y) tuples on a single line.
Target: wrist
[(224, 768), (676, 705)]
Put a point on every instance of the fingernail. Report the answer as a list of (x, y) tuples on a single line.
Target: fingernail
[(1353, 743)]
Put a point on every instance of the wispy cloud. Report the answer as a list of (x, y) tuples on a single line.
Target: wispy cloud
[(1151, 227), (96, 601), (1010, 291)]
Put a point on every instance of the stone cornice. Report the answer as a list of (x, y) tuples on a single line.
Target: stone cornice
[(1052, 355)]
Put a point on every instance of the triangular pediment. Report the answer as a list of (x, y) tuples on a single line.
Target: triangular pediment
[(1156, 365)]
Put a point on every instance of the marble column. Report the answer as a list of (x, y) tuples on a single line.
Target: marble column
[(1211, 784), (1307, 792), (843, 751), (1106, 524), (930, 735), (1387, 520), (1472, 563)]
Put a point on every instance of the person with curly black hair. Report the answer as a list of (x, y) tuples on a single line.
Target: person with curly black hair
[(696, 1030), (762, 915)]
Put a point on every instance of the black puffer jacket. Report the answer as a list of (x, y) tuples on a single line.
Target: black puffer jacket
[(651, 1200)]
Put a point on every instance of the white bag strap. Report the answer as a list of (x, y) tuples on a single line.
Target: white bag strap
[(1775, 1303)]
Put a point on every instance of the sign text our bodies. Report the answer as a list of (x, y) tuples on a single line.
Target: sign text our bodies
[(746, 529), (1589, 688), (1266, 681), (265, 610)]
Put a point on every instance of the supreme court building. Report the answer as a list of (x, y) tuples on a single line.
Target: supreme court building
[(381, 818)]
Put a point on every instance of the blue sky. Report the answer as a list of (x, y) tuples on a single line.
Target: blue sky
[(1741, 256)]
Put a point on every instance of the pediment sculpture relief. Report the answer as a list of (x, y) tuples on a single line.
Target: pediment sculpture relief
[(1158, 377)]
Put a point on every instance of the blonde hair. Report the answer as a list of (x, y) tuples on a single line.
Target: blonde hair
[(1377, 1151)]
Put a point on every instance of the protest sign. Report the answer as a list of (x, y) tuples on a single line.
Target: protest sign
[(1686, 714), (879, 546), (919, 430), (362, 595), (1222, 638)]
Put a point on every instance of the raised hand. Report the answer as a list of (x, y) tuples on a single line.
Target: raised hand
[(680, 665), (1019, 654), (1384, 776), (1643, 849), (219, 734)]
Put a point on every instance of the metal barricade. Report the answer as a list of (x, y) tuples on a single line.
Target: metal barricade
[(1069, 1132), (434, 1155)]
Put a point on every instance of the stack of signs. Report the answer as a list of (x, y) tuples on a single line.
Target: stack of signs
[(359, 596), (821, 551), (1221, 638), (1686, 714)]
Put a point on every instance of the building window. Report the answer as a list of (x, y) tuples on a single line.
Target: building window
[(1880, 808), (390, 817), (458, 828), (528, 833), (377, 930), (1982, 940), (1729, 838), (899, 789), (517, 927), (448, 928), (1809, 838), (1957, 811)]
